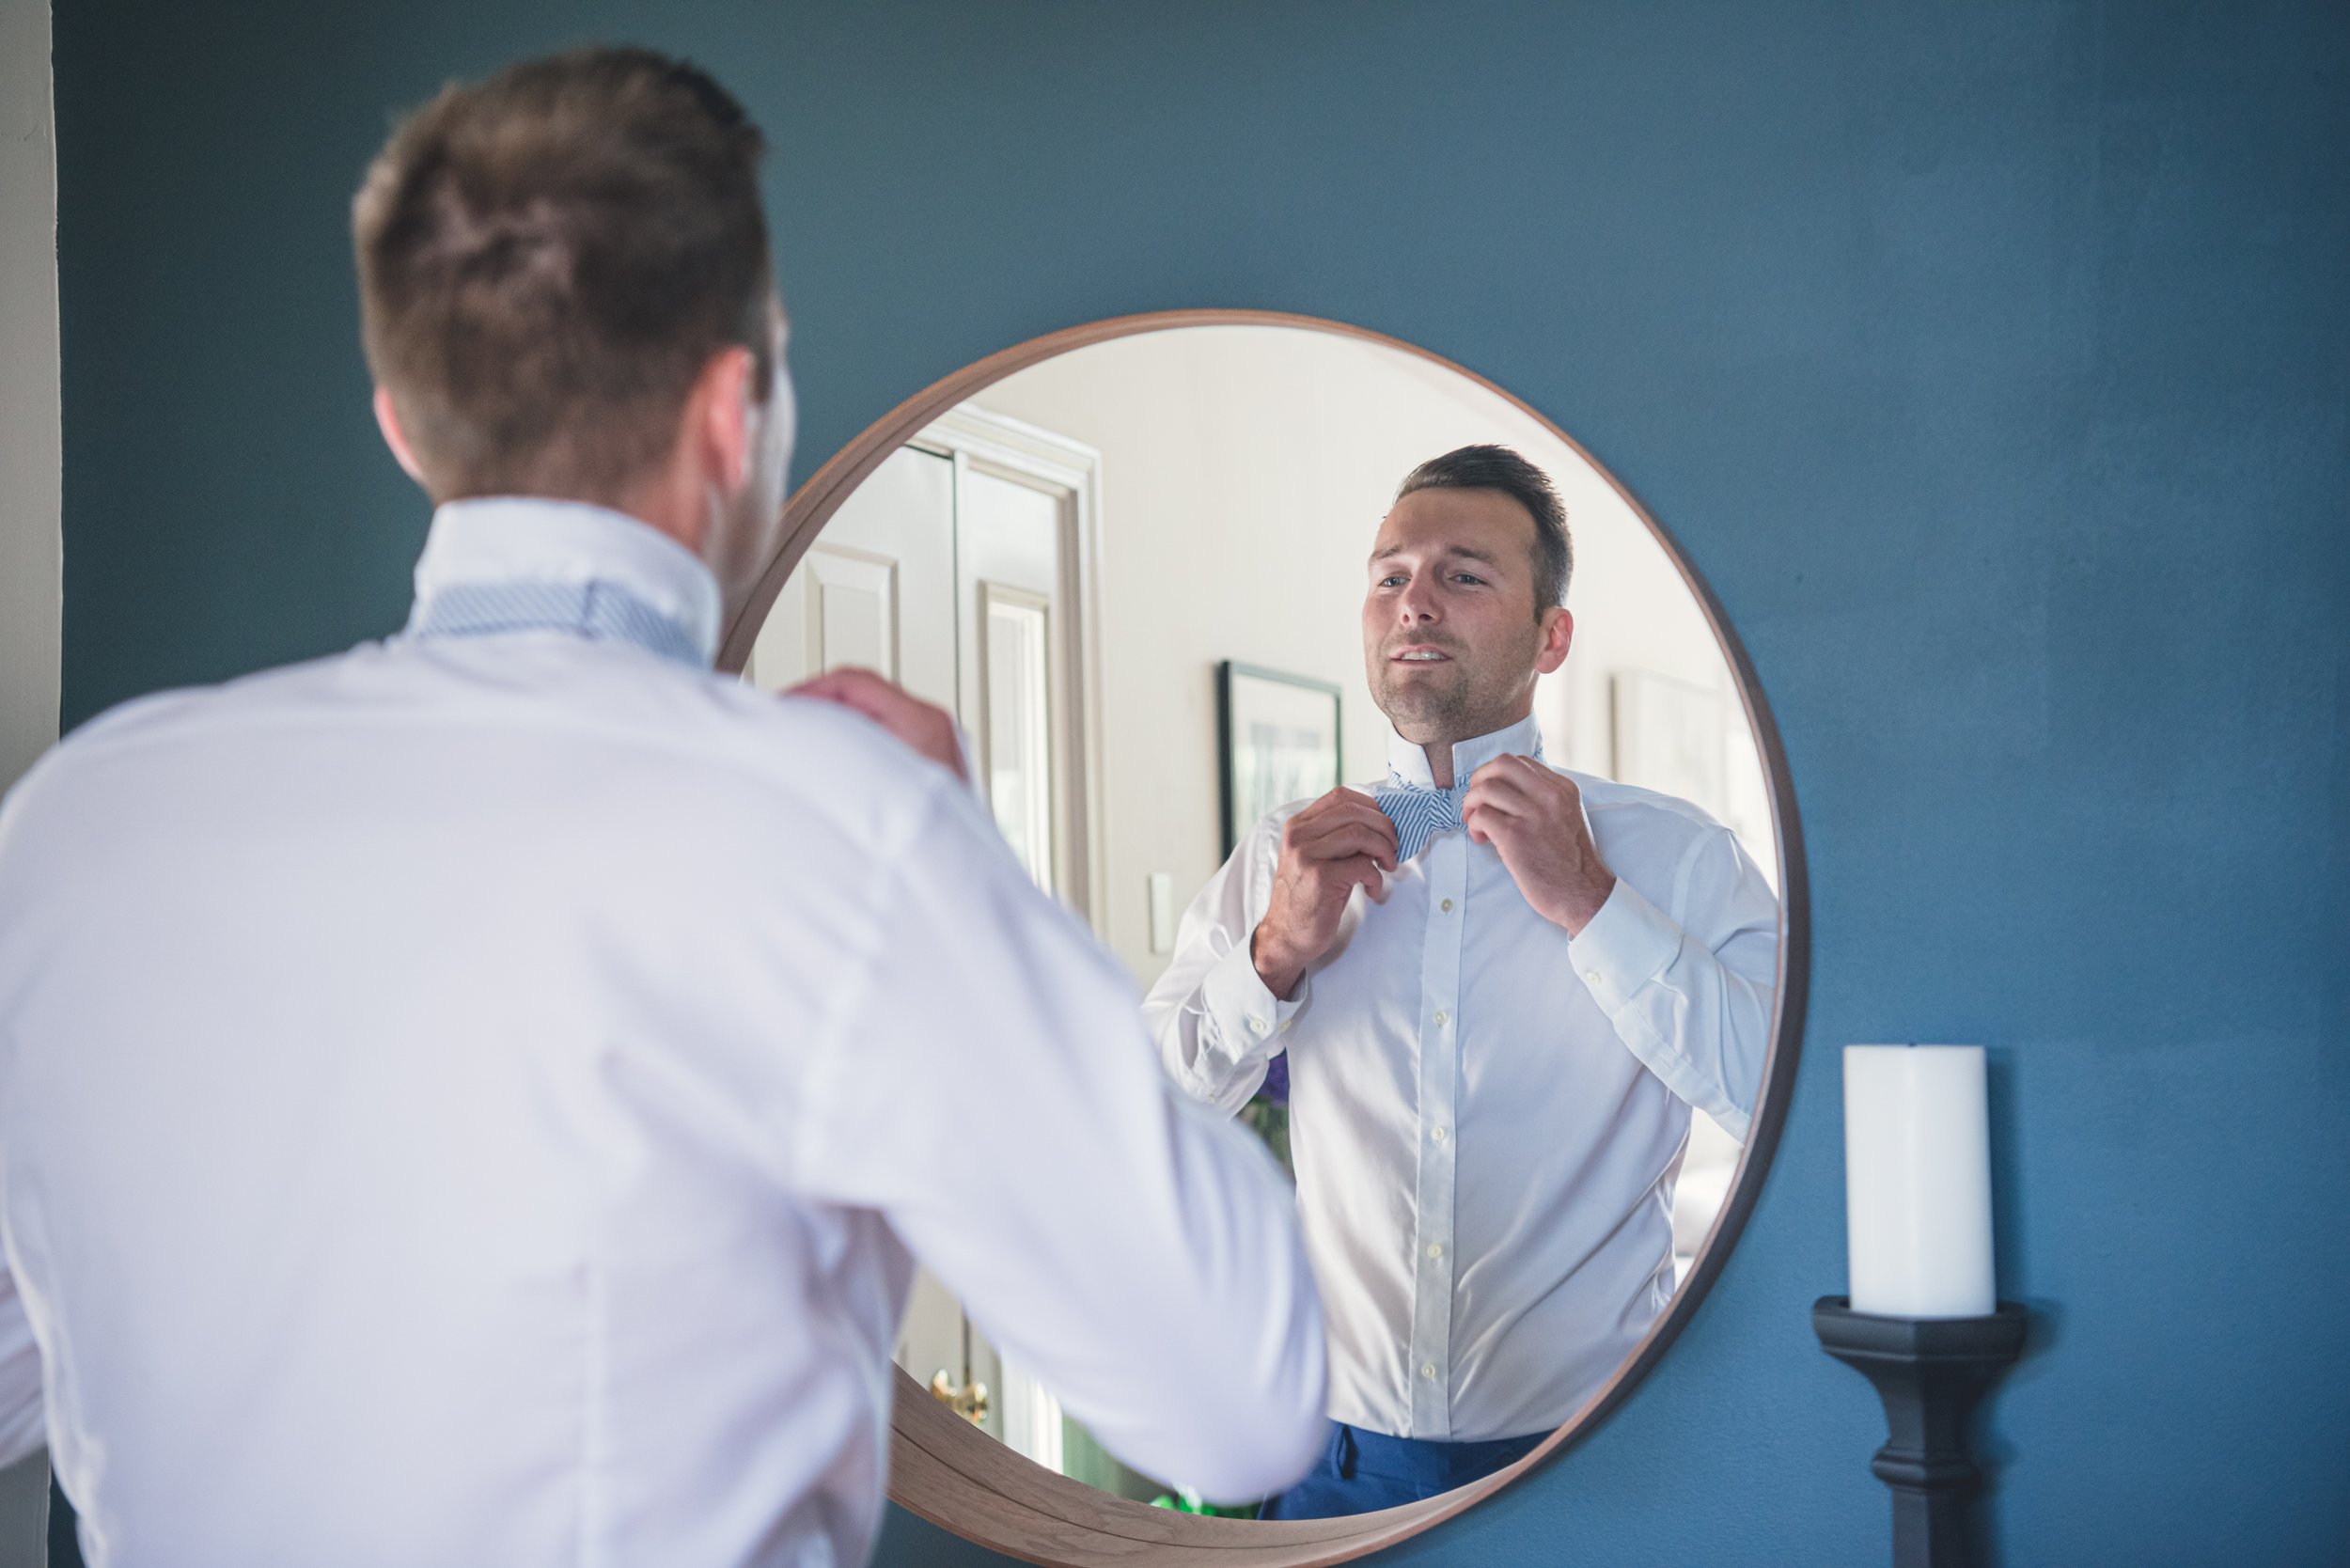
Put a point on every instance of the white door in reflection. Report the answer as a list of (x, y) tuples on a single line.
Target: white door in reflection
[(951, 570), (1015, 718), (1010, 578)]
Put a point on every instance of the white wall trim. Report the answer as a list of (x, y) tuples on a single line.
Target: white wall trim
[(974, 435), (32, 544)]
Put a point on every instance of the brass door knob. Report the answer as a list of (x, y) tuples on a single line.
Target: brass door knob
[(968, 1399)]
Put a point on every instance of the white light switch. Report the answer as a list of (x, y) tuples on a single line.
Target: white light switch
[(1162, 912)]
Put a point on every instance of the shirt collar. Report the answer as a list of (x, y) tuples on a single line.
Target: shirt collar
[(1409, 763), (505, 538)]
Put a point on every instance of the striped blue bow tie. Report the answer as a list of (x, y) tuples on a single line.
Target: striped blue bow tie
[(605, 612), (1420, 813)]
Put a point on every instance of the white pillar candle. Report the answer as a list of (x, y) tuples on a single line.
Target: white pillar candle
[(1918, 1181)]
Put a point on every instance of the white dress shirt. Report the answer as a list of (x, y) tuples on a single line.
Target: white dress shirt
[(1486, 1116), (479, 1100)]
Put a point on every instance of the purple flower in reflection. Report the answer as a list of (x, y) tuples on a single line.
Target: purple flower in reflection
[(1277, 1080)]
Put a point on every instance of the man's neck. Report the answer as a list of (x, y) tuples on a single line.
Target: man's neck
[(1440, 752), (668, 507)]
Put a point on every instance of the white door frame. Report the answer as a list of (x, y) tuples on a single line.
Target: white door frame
[(977, 439)]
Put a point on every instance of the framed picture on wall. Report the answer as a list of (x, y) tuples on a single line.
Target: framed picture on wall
[(1277, 742), (1673, 736)]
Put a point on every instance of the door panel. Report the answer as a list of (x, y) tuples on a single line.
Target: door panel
[(1015, 722), (854, 599), (1009, 592), (877, 589)]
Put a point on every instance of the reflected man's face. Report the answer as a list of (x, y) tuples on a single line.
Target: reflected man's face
[(1452, 641)]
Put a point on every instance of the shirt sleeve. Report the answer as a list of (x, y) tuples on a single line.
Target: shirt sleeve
[(1689, 988), (992, 1093), (1217, 1024), (24, 1421)]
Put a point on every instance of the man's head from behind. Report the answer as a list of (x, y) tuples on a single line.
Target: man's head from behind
[(565, 290), (1466, 602)]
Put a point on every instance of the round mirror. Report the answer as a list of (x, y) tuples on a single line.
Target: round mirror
[(1182, 577)]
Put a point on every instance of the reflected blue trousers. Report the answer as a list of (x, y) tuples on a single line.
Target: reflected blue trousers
[(1361, 1472)]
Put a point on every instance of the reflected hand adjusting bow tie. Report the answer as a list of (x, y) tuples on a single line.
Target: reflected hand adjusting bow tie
[(1420, 811)]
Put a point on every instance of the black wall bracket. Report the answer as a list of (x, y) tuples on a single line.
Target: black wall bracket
[(1930, 1372)]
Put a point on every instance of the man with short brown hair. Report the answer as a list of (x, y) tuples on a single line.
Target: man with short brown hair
[(552, 263), (481, 1098)]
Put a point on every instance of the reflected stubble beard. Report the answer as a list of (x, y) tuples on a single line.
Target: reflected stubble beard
[(1471, 693), (1424, 705)]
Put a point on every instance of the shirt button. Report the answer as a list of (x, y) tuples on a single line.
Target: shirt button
[(1446, 906), (1591, 976), (1428, 1370), (1435, 1249), (1438, 1135), (1440, 1018), (1258, 1025)]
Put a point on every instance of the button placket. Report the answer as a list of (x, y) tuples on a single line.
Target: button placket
[(1446, 863)]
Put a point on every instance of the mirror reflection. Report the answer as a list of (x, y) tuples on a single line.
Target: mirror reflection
[(1374, 731)]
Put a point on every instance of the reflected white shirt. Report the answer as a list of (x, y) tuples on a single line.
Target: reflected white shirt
[(479, 1100), (1487, 1117)]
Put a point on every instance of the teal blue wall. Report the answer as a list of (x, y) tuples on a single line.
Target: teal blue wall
[(1989, 359)]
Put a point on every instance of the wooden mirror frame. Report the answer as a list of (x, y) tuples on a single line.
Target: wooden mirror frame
[(948, 1471)]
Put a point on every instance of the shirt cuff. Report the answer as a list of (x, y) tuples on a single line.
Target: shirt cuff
[(1246, 1011), (1626, 945)]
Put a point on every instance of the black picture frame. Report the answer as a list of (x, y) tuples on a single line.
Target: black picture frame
[(1248, 699)]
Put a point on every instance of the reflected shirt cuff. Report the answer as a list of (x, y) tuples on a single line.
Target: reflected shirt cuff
[(1626, 945), (1249, 1017)]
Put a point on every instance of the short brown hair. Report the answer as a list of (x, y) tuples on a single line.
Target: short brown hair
[(1487, 467), (548, 258)]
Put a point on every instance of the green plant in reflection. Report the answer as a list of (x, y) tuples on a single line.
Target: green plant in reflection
[(1268, 1114), (1270, 1122), (1189, 1501)]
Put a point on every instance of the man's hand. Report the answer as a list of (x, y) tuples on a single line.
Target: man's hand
[(1534, 817), (1341, 842), (928, 729)]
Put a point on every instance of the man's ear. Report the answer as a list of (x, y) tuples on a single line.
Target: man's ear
[(387, 420), (1558, 633), (721, 406)]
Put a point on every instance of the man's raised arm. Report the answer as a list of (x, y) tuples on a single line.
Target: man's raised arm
[(1242, 954), (1690, 987), (992, 1091)]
